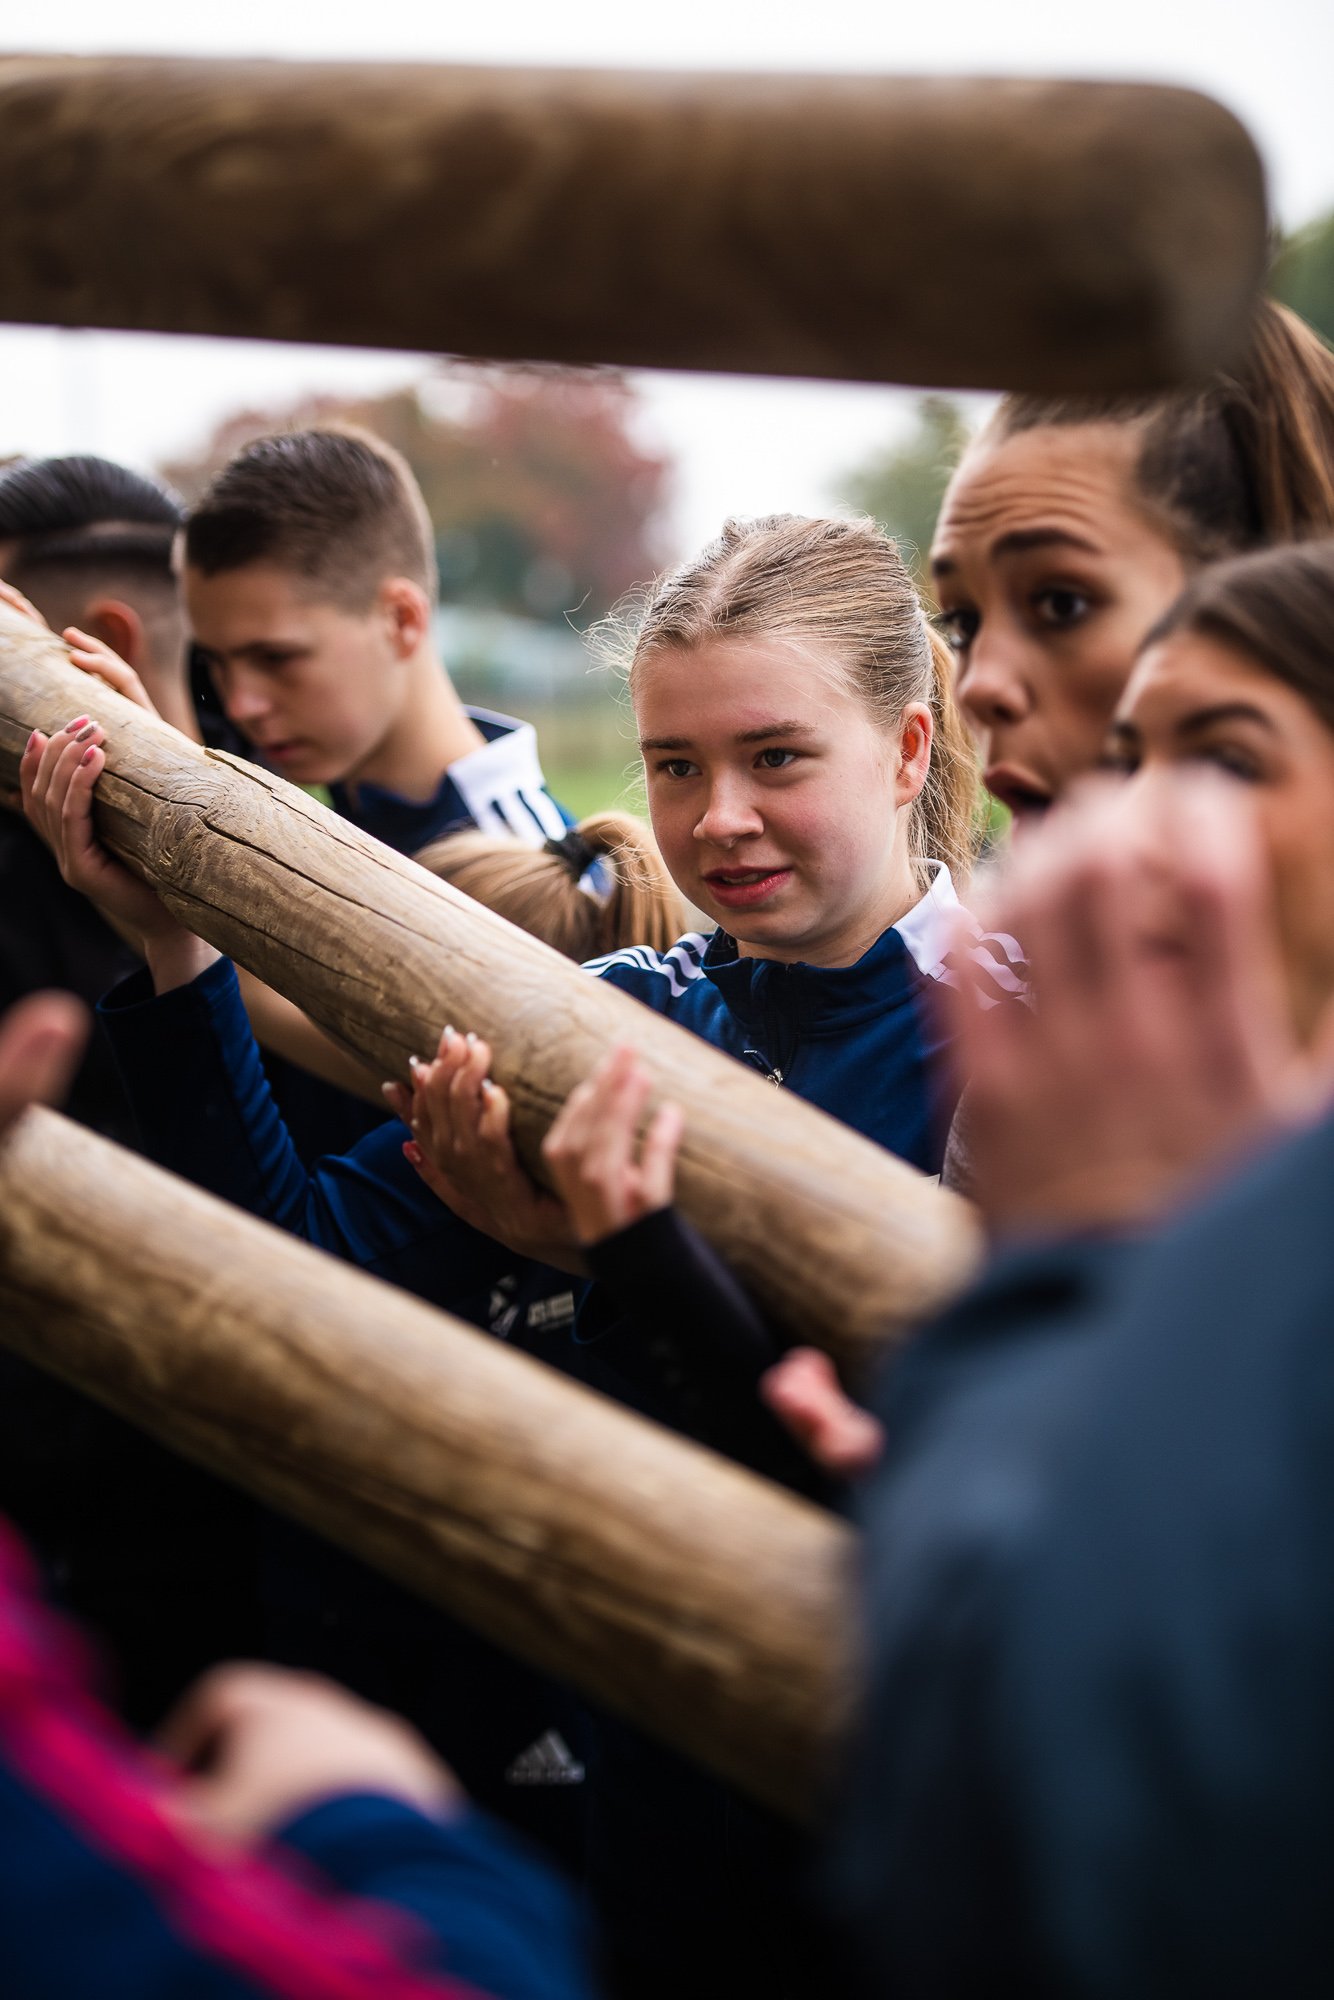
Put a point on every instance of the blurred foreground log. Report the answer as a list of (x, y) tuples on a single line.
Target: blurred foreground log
[(842, 1241), (954, 232), (706, 1604)]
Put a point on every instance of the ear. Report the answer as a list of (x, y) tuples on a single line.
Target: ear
[(913, 739), (118, 625), (407, 610)]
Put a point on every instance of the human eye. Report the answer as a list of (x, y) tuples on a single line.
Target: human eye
[(774, 759), (1232, 759), (958, 627), (676, 767), (1061, 604), (1119, 760)]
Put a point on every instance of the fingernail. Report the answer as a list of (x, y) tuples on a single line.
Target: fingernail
[(89, 754), (488, 1088), (412, 1152), (447, 1037), (388, 1090), (471, 1039), (415, 1063), (77, 723), (89, 729), (31, 740)]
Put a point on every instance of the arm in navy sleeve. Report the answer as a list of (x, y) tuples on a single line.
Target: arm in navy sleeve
[(672, 1279), (193, 1072), (103, 1892)]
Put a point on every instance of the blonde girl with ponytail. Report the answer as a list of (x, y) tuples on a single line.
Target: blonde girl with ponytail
[(813, 791)]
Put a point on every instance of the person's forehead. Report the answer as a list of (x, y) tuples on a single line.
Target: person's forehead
[(1190, 670), (1073, 478), (258, 599), (728, 686)]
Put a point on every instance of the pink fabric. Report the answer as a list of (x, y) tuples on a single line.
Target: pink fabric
[(248, 1914)]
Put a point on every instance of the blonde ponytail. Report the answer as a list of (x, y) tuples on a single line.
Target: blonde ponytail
[(602, 887)]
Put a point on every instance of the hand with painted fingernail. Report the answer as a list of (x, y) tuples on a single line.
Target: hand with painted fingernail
[(462, 1148), (94, 656), (607, 1173), (57, 776)]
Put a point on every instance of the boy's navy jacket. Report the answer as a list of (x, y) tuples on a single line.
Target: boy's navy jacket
[(1098, 1748), (499, 789), (103, 1893)]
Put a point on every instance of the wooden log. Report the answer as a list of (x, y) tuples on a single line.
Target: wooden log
[(841, 1240), (677, 1588), (954, 232)]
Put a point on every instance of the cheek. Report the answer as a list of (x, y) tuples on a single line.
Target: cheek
[(1298, 832)]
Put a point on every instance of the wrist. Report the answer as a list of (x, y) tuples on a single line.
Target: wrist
[(176, 958)]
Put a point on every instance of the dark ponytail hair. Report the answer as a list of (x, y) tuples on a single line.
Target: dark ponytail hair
[(1244, 459), (1276, 608)]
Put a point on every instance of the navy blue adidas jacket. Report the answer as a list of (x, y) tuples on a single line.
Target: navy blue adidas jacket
[(1098, 1752)]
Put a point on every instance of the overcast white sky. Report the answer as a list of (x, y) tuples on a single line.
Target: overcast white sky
[(743, 446)]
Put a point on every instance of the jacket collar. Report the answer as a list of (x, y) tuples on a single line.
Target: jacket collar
[(498, 787), (827, 999)]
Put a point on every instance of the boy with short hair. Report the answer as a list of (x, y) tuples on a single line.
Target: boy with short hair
[(309, 575)]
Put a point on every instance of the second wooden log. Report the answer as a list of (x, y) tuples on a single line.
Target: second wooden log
[(844, 1243), (678, 1589)]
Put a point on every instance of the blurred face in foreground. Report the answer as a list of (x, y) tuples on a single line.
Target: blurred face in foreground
[(778, 799), (1192, 700), (1048, 572)]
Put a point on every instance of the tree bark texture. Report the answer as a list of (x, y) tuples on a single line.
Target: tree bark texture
[(952, 232), (679, 1589), (843, 1242)]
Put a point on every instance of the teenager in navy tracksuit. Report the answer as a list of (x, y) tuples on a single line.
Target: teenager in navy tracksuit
[(810, 786)]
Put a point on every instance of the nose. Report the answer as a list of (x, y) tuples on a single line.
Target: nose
[(993, 688), (244, 696), (730, 814)]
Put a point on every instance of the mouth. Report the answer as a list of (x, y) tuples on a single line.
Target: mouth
[(281, 753), (1021, 794), (742, 888)]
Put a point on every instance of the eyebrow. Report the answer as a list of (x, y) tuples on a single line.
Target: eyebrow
[(1018, 541), (1224, 711), (763, 734)]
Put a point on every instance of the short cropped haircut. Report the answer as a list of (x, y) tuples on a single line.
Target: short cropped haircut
[(86, 517), (336, 507)]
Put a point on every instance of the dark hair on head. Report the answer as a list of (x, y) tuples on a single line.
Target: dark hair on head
[(336, 506), (1245, 458), (86, 513), (1276, 608), (542, 889)]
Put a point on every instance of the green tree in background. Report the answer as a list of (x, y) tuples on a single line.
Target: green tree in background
[(1303, 275), (902, 485), (544, 503)]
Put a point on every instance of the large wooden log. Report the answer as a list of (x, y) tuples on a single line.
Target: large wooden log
[(951, 232), (677, 1588), (844, 1242)]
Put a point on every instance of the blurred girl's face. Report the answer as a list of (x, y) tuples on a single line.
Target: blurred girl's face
[(1048, 574), (778, 800), (1192, 700)]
